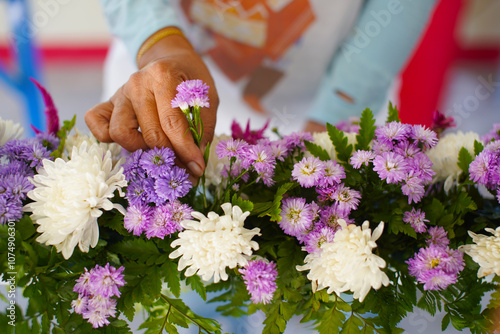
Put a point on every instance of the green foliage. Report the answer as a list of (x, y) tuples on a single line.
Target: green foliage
[(366, 130), (62, 134), (393, 115), (464, 160), (317, 151), (340, 142)]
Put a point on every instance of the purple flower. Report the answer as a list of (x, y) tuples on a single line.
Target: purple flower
[(480, 168), (50, 109), (162, 223), (96, 318), (438, 236), (296, 216), (318, 236), (260, 279), (390, 167), (249, 136), (48, 140), (191, 93), (333, 173), (11, 209), (413, 188), (437, 279), (494, 134), (231, 148), (179, 212), (346, 199), (296, 140), (139, 191), (424, 135), (82, 285), (173, 184), (80, 304), (132, 166), (279, 150), (440, 122), (137, 218), (308, 172), (329, 216), (157, 161), (260, 157), (421, 166), (361, 157), (15, 186), (106, 280), (416, 218), (393, 132), (34, 155)]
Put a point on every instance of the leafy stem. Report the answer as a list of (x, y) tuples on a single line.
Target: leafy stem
[(166, 299)]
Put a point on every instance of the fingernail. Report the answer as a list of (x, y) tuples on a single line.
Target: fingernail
[(195, 168)]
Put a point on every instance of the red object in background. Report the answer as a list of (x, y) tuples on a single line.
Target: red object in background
[(424, 76), (57, 54)]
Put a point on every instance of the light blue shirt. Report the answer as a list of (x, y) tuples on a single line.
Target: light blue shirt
[(363, 68)]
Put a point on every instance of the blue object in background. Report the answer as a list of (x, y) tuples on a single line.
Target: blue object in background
[(26, 64)]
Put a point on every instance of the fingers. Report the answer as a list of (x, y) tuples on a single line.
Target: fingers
[(98, 118)]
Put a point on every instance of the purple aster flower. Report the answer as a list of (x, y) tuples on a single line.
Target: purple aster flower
[(173, 184), (480, 168), (494, 134), (179, 212), (132, 167), (260, 157), (96, 318), (308, 172), (416, 218), (329, 216), (48, 140), (346, 199), (191, 93), (16, 186), (105, 305), (249, 136), (455, 263), (106, 280), (326, 193), (421, 166), (407, 149), (140, 190), (80, 304), (296, 140), (390, 167), (266, 176), (318, 236), (82, 285), (296, 216), (424, 135), (438, 236), (260, 279), (231, 148), (333, 173), (393, 132), (413, 188), (137, 218), (162, 223), (11, 209), (157, 161), (34, 155), (437, 279), (427, 258), (279, 150), (351, 125), (16, 167), (361, 157)]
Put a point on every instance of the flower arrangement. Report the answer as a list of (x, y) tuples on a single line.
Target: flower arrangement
[(350, 229)]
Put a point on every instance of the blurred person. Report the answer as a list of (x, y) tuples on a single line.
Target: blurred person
[(316, 60)]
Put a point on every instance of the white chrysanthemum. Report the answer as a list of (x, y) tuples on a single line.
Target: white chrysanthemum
[(347, 263), (9, 130), (215, 166), (214, 243), (78, 138), (69, 195), (485, 251), (444, 156), (323, 140)]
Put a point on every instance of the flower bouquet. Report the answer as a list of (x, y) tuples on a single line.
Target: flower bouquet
[(349, 230)]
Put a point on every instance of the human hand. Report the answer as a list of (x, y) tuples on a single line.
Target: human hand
[(140, 116)]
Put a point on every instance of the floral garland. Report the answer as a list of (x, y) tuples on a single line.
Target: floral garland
[(349, 230)]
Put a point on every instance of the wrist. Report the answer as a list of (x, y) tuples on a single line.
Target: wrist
[(165, 41)]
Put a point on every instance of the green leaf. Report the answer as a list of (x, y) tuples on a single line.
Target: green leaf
[(366, 130), (206, 155), (331, 322), (275, 210), (340, 142), (352, 325), (445, 322), (197, 285), (171, 275), (393, 115), (243, 204), (478, 147), (317, 151), (135, 249), (274, 322), (464, 160), (26, 227)]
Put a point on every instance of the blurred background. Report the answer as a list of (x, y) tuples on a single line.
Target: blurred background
[(63, 43)]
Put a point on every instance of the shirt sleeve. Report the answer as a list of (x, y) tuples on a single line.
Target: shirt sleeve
[(133, 21), (363, 68)]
